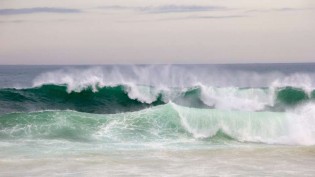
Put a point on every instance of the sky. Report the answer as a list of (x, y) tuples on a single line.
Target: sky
[(156, 32)]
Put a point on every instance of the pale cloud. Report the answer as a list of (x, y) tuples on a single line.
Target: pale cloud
[(13, 21), (205, 17), (180, 9), (34, 10), (285, 9), (167, 8), (218, 17), (159, 31)]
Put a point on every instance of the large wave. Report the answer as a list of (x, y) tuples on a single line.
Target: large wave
[(152, 105), (122, 98), (168, 124), (56, 97)]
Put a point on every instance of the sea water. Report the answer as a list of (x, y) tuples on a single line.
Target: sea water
[(158, 120)]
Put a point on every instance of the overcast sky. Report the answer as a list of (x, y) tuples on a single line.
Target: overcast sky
[(159, 31)]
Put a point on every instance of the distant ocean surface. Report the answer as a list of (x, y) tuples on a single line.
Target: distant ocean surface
[(158, 120)]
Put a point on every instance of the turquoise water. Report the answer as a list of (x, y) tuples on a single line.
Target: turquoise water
[(255, 120)]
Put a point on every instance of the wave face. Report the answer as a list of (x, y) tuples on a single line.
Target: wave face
[(168, 124), (55, 97), (121, 98)]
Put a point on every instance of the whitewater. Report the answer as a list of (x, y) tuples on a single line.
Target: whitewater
[(157, 120)]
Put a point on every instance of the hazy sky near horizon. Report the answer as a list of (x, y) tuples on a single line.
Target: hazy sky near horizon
[(160, 31)]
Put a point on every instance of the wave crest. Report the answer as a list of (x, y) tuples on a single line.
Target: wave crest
[(122, 98)]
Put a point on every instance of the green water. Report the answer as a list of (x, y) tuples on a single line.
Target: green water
[(182, 120)]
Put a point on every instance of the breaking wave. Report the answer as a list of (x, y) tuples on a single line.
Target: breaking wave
[(141, 106), (169, 123), (122, 98)]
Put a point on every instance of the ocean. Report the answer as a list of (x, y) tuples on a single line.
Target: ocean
[(158, 120)]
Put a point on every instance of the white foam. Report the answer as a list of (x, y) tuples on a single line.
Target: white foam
[(302, 124), (296, 127), (219, 88), (297, 80), (75, 79), (234, 98)]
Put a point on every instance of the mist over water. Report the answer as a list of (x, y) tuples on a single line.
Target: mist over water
[(91, 114)]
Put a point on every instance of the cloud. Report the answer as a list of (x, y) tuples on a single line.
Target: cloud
[(287, 9), (219, 17), (189, 17), (117, 7), (35, 21), (167, 8), (13, 21), (203, 17), (37, 10), (279, 10), (179, 9)]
